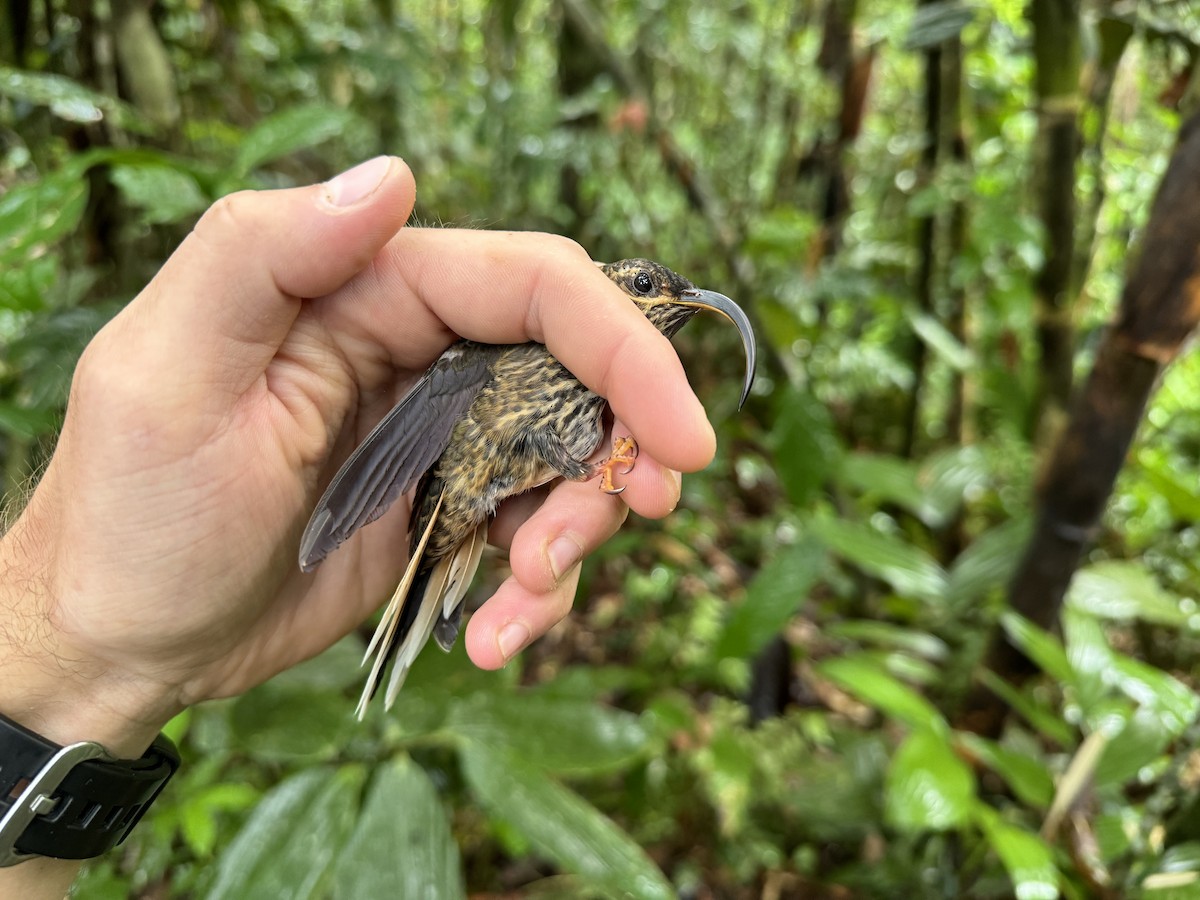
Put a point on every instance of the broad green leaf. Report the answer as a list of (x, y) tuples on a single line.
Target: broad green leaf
[(1028, 777), (286, 723), (1026, 858), (869, 683), (560, 734), (805, 445), (1045, 720), (1040, 646), (928, 787), (988, 563), (35, 216), (286, 132), (909, 570), (27, 287), (1122, 590), (67, 99), (772, 598), (402, 847), (1173, 702), (162, 192), (288, 846), (1138, 747), (560, 825), (1090, 659), (1183, 499), (882, 477)]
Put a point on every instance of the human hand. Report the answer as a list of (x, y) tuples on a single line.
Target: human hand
[(155, 564)]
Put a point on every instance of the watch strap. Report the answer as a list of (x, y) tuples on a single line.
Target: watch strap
[(72, 802)]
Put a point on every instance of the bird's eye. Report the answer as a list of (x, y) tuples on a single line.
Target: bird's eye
[(642, 283)]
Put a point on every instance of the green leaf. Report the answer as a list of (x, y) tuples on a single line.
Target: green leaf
[(288, 846), (772, 598), (1047, 721), (805, 445), (1182, 498), (887, 634), (283, 723), (35, 216), (909, 570), (199, 812), (1040, 646), (560, 734), (402, 847), (928, 787), (334, 669), (288, 131), (27, 423), (67, 99), (934, 23), (1028, 777), (1026, 858), (869, 683), (561, 826), (162, 192), (988, 563), (938, 338), (1172, 702), (1122, 590), (882, 477)]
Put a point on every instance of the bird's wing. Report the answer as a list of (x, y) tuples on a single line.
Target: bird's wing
[(399, 450)]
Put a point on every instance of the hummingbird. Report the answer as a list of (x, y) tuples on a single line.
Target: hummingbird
[(484, 423)]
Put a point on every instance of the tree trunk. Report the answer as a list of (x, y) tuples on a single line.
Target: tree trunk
[(1057, 41), (1159, 308)]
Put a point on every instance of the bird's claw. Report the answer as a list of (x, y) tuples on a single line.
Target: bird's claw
[(624, 452)]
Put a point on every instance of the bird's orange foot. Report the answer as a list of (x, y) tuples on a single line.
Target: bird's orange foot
[(624, 453)]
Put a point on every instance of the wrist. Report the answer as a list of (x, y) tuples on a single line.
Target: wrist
[(45, 685)]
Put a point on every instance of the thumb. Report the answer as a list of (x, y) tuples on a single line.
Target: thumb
[(225, 300)]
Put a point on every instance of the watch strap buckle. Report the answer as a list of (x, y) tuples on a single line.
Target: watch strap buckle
[(37, 799)]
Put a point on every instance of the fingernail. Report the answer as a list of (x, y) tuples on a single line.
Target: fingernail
[(675, 479), (358, 183), (563, 553), (512, 639)]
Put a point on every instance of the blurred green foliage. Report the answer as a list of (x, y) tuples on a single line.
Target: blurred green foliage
[(620, 757)]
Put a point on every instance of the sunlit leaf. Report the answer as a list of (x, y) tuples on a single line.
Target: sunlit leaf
[(887, 634), (929, 788), (401, 847), (67, 99), (288, 846), (36, 215), (947, 347), (1122, 590), (907, 568), (772, 598), (561, 825), (1026, 858)]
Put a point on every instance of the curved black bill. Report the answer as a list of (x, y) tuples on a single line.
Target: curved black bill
[(719, 303)]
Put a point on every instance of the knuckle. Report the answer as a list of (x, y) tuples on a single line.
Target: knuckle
[(229, 215)]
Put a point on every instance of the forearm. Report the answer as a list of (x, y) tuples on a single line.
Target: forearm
[(64, 700)]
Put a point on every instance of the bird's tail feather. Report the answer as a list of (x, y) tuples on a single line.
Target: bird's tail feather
[(383, 642), (426, 600)]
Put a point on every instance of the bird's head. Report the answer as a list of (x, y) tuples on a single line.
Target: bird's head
[(669, 300)]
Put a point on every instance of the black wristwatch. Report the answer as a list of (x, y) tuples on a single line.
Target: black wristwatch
[(72, 802)]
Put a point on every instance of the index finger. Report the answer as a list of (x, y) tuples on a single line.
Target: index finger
[(508, 287)]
